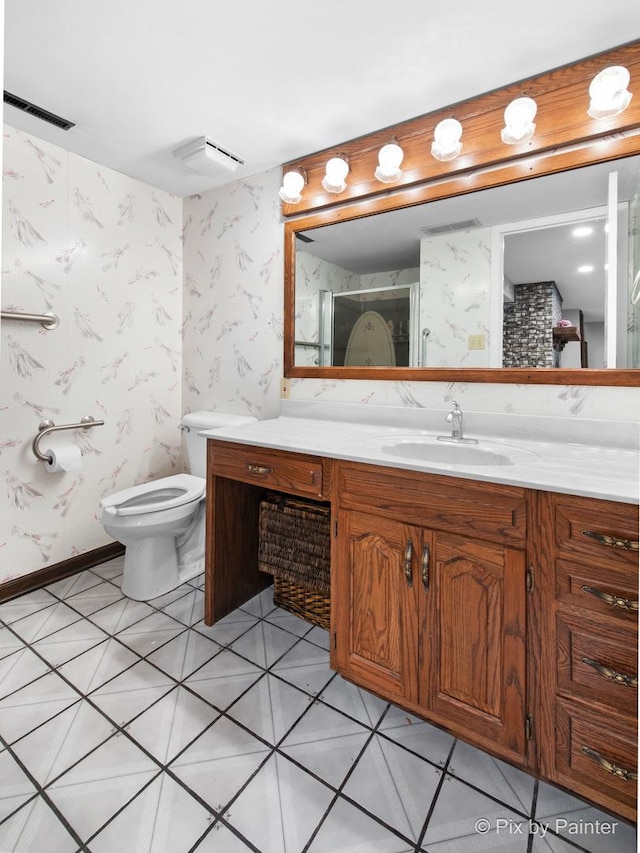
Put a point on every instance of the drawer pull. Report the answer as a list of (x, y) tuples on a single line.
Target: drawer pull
[(613, 541), (408, 556), (615, 600), (258, 469), (612, 674), (426, 556), (610, 767)]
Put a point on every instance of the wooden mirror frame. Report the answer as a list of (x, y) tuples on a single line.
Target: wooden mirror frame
[(566, 138)]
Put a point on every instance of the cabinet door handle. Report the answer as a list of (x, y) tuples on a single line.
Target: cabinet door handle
[(613, 541), (610, 767), (258, 469), (612, 674), (615, 600), (426, 556), (408, 556)]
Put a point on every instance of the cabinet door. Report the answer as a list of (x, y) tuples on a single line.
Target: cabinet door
[(374, 604), (474, 640)]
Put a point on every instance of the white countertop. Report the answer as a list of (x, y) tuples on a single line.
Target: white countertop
[(608, 468)]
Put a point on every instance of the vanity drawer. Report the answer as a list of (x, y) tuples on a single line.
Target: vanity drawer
[(597, 661), (597, 755), (294, 473), (602, 532), (487, 510), (612, 591)]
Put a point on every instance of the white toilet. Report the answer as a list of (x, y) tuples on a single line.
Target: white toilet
[(162, 523)]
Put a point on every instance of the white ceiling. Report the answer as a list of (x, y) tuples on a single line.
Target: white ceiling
[(273, 81)]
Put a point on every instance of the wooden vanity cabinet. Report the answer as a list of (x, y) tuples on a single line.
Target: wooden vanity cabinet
[(508, 616), (429, 599), (585, 646)]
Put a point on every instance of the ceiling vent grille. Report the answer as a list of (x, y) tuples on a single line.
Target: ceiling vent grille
[(37, 112), (464, 225)]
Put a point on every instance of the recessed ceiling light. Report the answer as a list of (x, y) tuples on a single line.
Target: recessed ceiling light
[(585, 268), (582, 231)]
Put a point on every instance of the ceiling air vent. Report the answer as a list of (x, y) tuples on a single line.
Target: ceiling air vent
[(464, 225), (37, 112), (206, 157)]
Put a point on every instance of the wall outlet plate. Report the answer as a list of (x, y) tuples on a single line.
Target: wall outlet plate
[(477, 342), (285, 388)]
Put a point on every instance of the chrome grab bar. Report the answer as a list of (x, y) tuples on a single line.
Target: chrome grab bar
[(47, 427), (47, 321)]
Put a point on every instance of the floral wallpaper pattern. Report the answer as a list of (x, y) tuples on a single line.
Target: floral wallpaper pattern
[(233, 298), (103, 252)]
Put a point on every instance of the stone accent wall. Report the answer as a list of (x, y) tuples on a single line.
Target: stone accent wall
[(527, 334)]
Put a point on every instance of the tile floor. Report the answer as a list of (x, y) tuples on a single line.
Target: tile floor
[(127, 726)]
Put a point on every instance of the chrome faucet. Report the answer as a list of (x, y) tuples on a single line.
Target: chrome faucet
[(455, 419)]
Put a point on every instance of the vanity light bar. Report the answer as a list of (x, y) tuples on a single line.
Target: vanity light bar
[(609, 96)]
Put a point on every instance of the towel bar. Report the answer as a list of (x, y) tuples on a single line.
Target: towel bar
[(47, 427)]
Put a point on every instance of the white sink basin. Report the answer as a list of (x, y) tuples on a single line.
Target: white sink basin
[(429, 449)]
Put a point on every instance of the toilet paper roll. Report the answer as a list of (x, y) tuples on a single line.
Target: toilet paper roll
[(63, 459)]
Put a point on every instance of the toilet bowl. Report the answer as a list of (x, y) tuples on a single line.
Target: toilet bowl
[(162, 523)]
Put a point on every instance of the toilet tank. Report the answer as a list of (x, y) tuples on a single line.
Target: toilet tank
[(195, 422)]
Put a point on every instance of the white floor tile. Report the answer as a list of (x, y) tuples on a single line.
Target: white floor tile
[(346, 829), (98, 665), (184, 654), (220, 762), (420, 737), (69, 642), (464, 819), (45, 622), (29, 707), (35, 827), (121, 615), (58, 744), (269, 708), (15, 786), (493, 776), (395, 785), (9, 643), (575, 820), (150, 633), (131, 692), (220, 839), (352, 700), (264, 644), (18, 669), (171, 724), (280, 807), (26, 605), (163, 818)]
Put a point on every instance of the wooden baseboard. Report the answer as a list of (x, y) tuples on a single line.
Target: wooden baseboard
[(50, 574)]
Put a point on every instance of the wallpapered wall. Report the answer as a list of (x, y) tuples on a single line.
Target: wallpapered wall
[(110, 256), (233, 298), (103, 252)]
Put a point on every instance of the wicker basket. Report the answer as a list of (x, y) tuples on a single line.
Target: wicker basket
[(294, 548)]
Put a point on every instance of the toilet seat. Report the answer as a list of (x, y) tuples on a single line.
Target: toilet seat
[(157, 495)]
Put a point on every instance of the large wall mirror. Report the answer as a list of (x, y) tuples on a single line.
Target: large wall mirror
[(539, 274), (506, 265)]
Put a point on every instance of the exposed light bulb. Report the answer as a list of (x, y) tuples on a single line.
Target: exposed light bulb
[(608, 92), (582, 231), (389, 162), (292, 185), (518, 120), (446, 139), (336, 171), (585, 268)]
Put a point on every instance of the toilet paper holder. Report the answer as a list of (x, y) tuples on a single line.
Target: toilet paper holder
[(47, 427)]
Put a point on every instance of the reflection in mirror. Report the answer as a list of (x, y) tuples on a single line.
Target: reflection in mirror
[(482, 261)]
